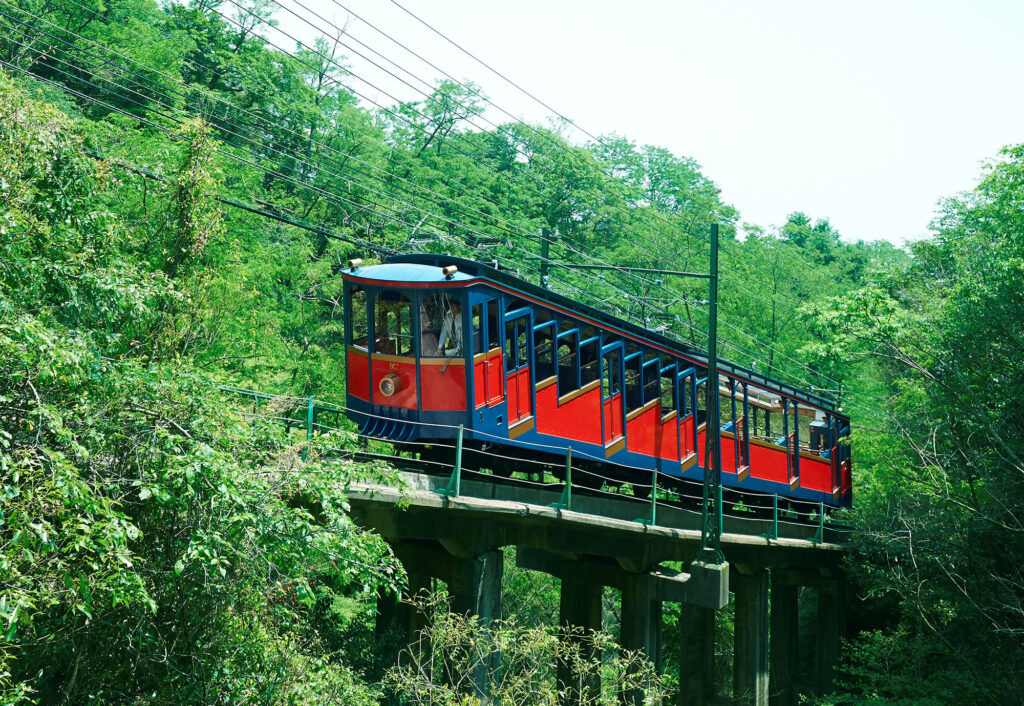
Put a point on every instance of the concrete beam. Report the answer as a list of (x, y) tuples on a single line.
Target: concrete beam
[(785, 636), (705, 584), (750, 661)]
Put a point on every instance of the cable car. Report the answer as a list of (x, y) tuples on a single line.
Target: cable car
[(435, 343)]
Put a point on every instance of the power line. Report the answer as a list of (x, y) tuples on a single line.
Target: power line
[(814, 372)]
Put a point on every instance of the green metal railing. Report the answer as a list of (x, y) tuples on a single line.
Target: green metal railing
[(306, 413)]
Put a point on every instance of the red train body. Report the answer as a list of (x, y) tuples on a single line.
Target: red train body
[(436, 342)]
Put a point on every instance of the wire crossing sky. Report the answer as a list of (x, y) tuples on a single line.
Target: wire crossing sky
[(867, 114)]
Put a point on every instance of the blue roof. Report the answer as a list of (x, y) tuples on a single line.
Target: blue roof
[(405, 272)]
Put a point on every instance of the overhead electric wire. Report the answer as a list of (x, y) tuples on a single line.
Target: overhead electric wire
[(596, 138), (463, 225), (599, 140)]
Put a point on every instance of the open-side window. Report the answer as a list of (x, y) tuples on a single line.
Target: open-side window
[(634, 381), (357, 316), (652, 391), (568, 358), (440, 326), (589, 363), (668, 387), (392, 329), (544, 345)]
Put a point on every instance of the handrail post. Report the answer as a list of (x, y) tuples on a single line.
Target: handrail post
[(455, 482), (654, 496), (568, 479), (819, 536), (565, 501), (775, 517), (310, 412)]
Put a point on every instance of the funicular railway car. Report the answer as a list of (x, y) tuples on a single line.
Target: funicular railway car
[(436, 342)]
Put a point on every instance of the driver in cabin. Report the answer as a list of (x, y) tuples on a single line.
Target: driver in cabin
[(451, 331)]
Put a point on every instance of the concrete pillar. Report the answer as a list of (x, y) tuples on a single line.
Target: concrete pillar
[(386, 616), (656, 635), (750, 663), (831, 627), (785, 635), (414, 618), (475, 588), (579, 615), (696, 655), (635, 625)]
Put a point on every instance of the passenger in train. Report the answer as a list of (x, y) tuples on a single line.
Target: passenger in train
[(451, 331), (428, 336)]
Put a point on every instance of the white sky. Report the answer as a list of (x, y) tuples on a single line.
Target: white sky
[(866, 113)]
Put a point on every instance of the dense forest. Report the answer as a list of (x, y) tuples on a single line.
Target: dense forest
[(177, 189)]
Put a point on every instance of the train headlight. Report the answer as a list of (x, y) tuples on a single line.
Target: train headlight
[(389, 385)]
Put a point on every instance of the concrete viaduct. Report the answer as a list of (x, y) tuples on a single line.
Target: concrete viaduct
[(600, 543)]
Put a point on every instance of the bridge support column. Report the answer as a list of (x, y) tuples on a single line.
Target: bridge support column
[(579, 615), (696, 655), (750, 661), (831, 626), (785, 637), (475, 588), (635, 625)]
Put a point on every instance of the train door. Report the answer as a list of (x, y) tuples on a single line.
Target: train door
[(687, 397), (488, 380), (518, 385), (612, 373)]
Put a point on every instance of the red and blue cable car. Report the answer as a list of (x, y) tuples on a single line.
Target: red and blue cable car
[(436, 342)]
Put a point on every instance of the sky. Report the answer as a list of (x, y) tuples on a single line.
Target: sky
[(865, 113)]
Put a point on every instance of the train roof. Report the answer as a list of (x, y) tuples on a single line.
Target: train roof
[(407, 272), (424, 268)]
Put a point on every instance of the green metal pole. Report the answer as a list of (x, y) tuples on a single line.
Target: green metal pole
[(458, 463), (568, 478), (545, 255), (775, 517), (309, 419), (654, 497), (711, 534), (565, 500)]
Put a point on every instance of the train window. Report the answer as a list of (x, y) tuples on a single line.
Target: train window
[(477, 319), (668, 390), (701, 402), (634, 382), (544, 351), (494, 322), (588, 362), (522, 346), (357, 318), (440, 326), (611, 380), (392, 333), (510, 345), (686, 392), (568, 373), (650, 379)]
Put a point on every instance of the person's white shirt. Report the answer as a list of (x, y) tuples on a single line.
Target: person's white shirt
[(451, 334)]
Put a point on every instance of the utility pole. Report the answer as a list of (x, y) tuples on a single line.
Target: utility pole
[(545, 255), (711, 529)]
